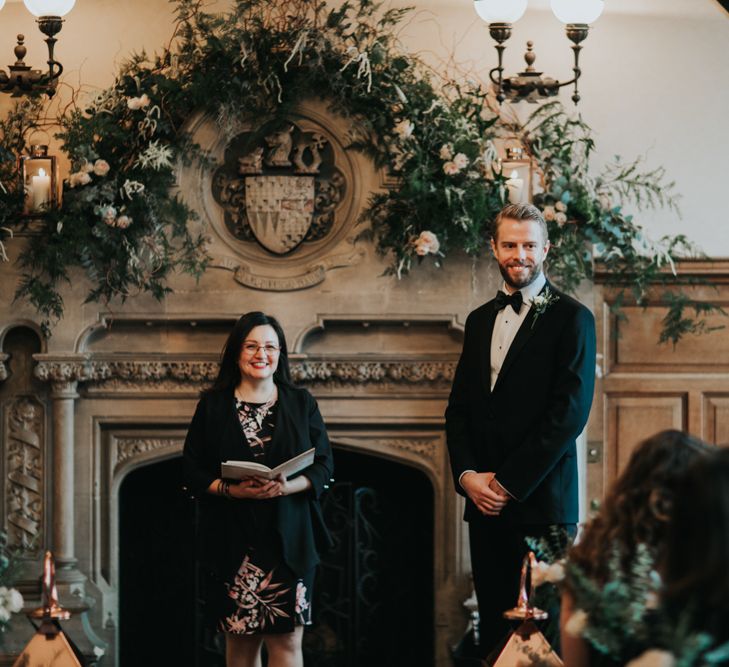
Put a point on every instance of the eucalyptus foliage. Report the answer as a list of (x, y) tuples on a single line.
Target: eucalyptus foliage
[(122, 223), (625, 618)]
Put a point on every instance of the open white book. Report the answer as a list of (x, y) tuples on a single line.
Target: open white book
[(243, 469)]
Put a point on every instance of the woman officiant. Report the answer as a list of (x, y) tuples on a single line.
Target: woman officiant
[(260, 538)]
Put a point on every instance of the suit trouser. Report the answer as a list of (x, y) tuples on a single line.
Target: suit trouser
[(497, 551)]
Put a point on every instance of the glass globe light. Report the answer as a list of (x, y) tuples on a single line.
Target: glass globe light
[(500, 11), (2, 3), (577, 11), (49, 7)]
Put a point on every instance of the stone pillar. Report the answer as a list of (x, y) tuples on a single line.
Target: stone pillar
[(64, 374), (63, 395)]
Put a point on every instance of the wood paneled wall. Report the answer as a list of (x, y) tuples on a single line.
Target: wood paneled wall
[(647, 387)]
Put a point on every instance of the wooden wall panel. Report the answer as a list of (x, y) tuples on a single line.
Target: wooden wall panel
[(631, 419), (716, 418), (646, 387), (634, 344)]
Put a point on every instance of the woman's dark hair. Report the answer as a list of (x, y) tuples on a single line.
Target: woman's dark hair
[(639, 505), (697, 560), (229, 373)]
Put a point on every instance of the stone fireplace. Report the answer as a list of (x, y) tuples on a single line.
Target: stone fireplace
[(123, 399)]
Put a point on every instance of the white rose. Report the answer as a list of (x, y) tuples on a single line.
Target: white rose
[(577, 623), (135, 103), (14, 601), (560, 218), (604, 201), (549, 213), (86, 167), (404, 129), (123, 221), (4, 614), (653, 658), (108, 215), (101, 167), (450, 168), (78, 178), (426, 244), (446, 152), (461, 160), (560, 206)]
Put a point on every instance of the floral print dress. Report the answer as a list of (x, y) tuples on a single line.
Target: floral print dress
[(263, 596)]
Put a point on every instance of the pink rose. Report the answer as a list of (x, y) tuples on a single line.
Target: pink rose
[(101, 167), (446, 152), (123, 221), (549, 213), (426, 244), (450, 168)]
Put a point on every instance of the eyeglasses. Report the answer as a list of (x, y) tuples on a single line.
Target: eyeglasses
[(251, 349)]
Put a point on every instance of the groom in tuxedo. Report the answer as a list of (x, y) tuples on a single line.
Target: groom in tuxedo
[(521, 395)]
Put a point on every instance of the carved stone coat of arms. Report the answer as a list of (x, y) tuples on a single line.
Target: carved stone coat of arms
[(281, 192)]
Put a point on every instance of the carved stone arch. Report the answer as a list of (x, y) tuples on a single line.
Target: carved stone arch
[(124, 450), (419, 451), (13, 326)]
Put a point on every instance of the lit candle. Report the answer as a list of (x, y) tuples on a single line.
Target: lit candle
[(40, 186), (514, 185)]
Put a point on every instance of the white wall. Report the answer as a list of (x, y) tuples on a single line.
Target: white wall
[(655, 77)]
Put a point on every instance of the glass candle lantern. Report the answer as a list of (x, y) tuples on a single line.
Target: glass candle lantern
[(517, 169), (39, 179)]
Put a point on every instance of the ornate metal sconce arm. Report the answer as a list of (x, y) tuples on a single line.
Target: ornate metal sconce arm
[(577, 33), (499, 32), (21, 79)]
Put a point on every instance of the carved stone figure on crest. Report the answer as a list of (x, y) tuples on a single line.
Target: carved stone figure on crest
[(280, 147)]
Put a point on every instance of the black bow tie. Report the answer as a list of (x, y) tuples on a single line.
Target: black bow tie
[(503, 300)]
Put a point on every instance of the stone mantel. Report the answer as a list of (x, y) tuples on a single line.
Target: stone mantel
[(162, 373)]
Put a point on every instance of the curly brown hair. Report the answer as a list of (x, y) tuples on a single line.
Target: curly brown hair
[(697, 583), (638, 506)]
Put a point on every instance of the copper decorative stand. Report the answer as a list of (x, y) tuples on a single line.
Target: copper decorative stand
[(527, 645), (49, 645)]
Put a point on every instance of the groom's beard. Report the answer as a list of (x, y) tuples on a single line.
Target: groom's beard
[(519, 279)]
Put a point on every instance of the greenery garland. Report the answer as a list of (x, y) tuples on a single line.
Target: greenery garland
[(122, 224)]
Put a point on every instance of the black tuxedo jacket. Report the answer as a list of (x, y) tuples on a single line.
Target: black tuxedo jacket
[(215, 435), (525, 429)]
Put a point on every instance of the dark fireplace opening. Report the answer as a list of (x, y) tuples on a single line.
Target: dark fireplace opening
[(156, 568), (373, 597)]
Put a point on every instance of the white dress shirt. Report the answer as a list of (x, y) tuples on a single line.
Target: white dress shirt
[(507, 323)]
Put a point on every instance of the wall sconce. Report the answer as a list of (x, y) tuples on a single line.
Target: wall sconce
[(530, 85), (38, 173), (22, 79)]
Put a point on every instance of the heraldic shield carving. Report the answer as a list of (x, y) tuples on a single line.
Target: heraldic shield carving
[(280, 188)]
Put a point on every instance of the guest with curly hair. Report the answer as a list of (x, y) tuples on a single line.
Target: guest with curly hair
[(633, 521)]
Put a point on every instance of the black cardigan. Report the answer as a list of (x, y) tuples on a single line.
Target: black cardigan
[(215, 436)]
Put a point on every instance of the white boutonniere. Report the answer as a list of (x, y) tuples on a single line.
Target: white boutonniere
[(541, 302)]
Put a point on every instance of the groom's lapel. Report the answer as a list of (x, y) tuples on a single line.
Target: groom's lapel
[(490, 319), (526, 331)]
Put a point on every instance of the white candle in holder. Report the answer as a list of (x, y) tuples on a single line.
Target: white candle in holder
[(515, 186), (40, 186)]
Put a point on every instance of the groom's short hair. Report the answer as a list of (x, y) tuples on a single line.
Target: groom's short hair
[(521, 213)]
